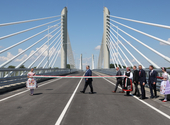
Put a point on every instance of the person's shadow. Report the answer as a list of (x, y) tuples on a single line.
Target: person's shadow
[(38, 93), (163, 99)]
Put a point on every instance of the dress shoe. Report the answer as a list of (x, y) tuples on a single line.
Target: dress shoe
[(151, 97), (156, 96), (114, 91), (82, 91), (121, 92), (134, 94), (91, 92), (138, 95), (141, 98)]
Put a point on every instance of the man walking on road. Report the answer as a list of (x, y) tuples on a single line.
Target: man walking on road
[(88, 81), (119, 80)]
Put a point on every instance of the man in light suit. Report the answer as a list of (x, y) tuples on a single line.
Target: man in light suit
[(152, 81), (88, 81), (142, 81)]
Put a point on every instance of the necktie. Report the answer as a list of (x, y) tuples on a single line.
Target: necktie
[(139, 73)]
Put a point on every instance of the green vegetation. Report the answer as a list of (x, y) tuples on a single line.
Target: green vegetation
[(11, 66), (68, 66), (115, 65), (22, 66)]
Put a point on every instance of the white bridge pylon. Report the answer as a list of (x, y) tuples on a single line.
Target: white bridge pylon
[(114, 51)]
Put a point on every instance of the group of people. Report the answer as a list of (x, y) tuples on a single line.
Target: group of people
[(138, 77)]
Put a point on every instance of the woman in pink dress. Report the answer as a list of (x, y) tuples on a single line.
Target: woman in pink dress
[(165, 85), (31, 82)]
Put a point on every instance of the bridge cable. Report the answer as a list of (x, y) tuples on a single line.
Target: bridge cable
[(10, 47), (8, 61), (158, 53), (25, 21), (127, 50), (153, 37), (155, 65), (13, 34), (142, 22), (44, 51), (112, 39)]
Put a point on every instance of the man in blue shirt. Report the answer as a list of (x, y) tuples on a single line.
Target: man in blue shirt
[(88, 81)]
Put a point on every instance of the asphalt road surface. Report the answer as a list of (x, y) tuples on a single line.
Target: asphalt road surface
[(54, 102)]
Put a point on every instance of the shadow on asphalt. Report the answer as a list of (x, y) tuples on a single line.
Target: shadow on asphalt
[(49, 89), (163, 99), (38, 93)]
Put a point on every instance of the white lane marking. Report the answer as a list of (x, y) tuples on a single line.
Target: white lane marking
[(157, 110), (67, 105), (25, 91)]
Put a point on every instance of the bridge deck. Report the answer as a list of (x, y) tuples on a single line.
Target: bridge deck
[(102, 108)]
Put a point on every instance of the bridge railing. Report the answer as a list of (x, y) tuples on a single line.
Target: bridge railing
[(112, 71), (17, 76)]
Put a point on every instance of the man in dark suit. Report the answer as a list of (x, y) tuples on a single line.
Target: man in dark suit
[(152, 81), (135, 80), (142, 81), (119, 80), (88, 81)]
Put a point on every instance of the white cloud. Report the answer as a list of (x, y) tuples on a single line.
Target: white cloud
[(85, 64), (164, 43), (115, 54), (21, 59), (44, 48), (97, 47), (41, 50), (49, 35), (133, 60), (86, 59), (59, 52), (20, 50), (5, 58), (1, 47), (10, 55)]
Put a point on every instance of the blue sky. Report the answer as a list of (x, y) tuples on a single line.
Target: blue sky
[(85, 25)]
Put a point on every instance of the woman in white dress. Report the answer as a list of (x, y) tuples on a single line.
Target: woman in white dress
[(165, 85), (31, 82)]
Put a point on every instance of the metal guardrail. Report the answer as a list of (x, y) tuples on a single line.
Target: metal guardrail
[(20, 75), (113, 72)]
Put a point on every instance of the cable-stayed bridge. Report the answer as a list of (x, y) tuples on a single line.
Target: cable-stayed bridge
[(59, 101), (111, 45)]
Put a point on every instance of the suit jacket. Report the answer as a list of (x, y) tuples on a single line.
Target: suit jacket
[(136, 75), (88, 73), (152, 77), (119, 74), (142, 76)]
